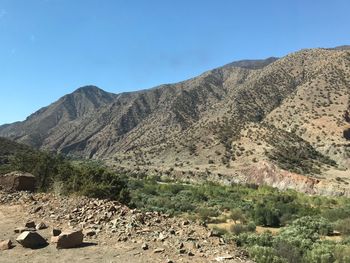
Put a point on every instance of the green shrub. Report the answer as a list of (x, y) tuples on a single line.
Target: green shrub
[(250, 239), (334, 214), (342, 253), (266, 215), (90, 179), (288, 251), (343, 226), (311, 225), (304, 232), (237, 215), (205, 213), (237, 229), (262, 254), (251, 227), (321, 253)]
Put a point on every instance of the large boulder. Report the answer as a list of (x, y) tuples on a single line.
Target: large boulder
[(31, 239), (70, 239), (17, 181)]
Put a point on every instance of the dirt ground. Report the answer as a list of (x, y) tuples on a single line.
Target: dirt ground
[(102, 249), (13, 216)]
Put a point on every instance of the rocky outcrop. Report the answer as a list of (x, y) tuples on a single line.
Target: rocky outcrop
[(17, 181), (266, 173)]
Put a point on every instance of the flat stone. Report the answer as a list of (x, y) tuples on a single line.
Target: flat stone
[(19, 230), (158, 250), (223, 258), (41, 226), (30, 224), (70, 239)]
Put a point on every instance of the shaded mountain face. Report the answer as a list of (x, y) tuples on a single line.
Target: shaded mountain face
[(10, 148), (290, 112)]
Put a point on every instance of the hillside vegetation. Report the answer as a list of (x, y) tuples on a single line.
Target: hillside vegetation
[(305, 223), (290, 112)]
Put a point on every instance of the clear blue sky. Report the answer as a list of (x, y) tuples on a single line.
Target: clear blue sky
[(52, 47)]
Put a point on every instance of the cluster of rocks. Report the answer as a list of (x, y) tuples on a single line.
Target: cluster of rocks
[(153, 232), (29, 237)]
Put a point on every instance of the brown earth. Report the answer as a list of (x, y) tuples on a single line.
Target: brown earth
[(120, 244)]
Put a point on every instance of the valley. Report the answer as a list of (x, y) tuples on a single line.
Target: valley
[(244, 163), (285, 116)]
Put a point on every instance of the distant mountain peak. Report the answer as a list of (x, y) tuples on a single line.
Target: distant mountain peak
[(89, 88), (344, 47), (71, 107), (252, 63)]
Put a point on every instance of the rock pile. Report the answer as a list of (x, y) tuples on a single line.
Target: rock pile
[(30, 238), (153, 232)]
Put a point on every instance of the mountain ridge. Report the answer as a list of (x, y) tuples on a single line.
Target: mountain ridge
[(221, 122)]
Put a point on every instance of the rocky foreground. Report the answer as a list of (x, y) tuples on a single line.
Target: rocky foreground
[(111, 232)]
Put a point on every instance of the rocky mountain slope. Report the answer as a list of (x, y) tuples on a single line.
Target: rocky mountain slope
[(292, 113), (9, 148), (70, 108)]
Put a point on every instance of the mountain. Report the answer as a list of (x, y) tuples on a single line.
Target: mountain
[(344, 47), (10, 148), (38, 127), (286, 116), (252, 64)]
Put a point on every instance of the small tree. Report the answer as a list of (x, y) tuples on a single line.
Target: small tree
[(237, 214)]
